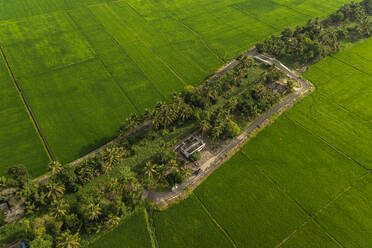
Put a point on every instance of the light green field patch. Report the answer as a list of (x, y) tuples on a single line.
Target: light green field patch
[(271, 13), (319, 8), (336, 126), (312, 172), (180, 63), (41, 43), (131, 233), (19, 141), (187, 225), (349, 218), (78, 107), (248, 206), (121, 67), (158, 71), (311, 236)]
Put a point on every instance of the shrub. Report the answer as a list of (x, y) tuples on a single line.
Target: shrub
[(68, 177), (19, 173), (195, 156), (232, 129), (42, 242), (174, 178)]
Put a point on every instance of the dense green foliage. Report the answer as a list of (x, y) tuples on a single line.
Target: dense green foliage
[(86, 65), (80, 201), (312, 162), (317, 39)]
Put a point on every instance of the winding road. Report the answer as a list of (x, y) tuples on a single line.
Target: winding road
[(213, 163)]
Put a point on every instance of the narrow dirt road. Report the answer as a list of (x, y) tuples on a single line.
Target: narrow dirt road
[(213, 163)]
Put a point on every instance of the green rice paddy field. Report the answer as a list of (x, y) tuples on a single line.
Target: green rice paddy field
[(303, 182), (85, 65)]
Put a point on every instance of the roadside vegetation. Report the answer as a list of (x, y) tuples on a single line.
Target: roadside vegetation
[(77, 203), (316, 159), (320, 38), (86, 65)]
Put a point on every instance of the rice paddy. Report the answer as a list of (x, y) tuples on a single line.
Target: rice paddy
[(85, 65), (301, 182)]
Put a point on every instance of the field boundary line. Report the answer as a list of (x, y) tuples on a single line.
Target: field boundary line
[(28, 107), (125, 94), (348, 188), (309, 215), (293, 233), (146, 45), (131, 59), (220, 227), (327, 97), (59, 68), (247, 13), (350, 65), (277, 185), (199, 36), (327, 143), (150, 229), (165, 36), (122, 50), (294, 10)]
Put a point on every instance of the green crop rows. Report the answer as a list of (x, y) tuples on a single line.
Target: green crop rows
[(85, 65), (132, 233), (302, 182)]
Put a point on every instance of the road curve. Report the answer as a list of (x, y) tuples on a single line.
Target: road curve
[(208, 167)]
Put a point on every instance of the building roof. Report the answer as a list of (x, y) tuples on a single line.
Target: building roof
[(191, 144)]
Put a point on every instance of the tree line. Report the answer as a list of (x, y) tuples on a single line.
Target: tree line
[(319, 38)]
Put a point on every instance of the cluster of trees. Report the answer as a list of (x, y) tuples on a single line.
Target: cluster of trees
[(60, 222), (163, 169), (99, 208), (317, 39), (64, 207), (199, 103)]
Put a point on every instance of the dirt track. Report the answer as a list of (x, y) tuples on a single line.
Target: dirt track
[(213, 163)]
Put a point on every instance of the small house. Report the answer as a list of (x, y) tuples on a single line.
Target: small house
[(191, 145)]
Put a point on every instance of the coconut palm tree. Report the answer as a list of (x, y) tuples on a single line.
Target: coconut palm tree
[(55, 167), (113, 156), (54, 190), (112, 221), (150, 170), (93, 211), (204, 126), (60, 208), (68, 240)]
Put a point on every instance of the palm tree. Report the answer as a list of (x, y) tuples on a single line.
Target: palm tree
[(185, 112), (93, 211), (54, 190), (113, 185), (60, 208), (147, 114), (113, 156), (85, 173), (68, 240), (150, 170), (204, 126), (216, 132), (55, 167), (112, 221)]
